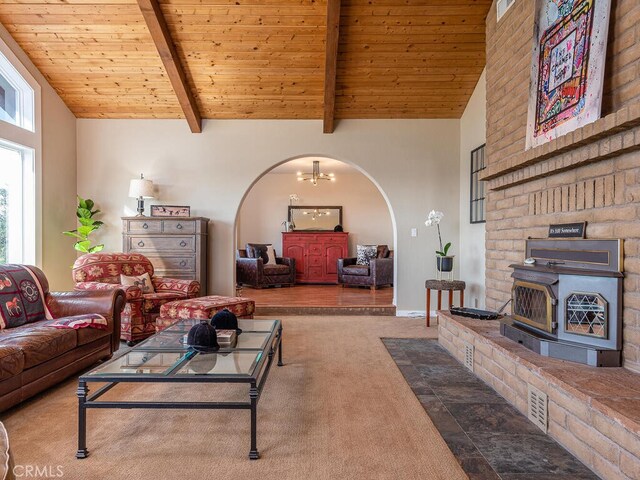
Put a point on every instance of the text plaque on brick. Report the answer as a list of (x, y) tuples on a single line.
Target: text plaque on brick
[(567, 230)]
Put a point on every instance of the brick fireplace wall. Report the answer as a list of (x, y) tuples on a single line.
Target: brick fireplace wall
[(591, 174)]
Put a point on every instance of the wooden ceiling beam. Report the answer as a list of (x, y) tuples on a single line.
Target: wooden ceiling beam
[(166, 49), (331, 64)]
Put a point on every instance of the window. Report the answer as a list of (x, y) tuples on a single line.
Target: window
[(20, 144), (503, 6), (17, 204), (477, 186), (16, 97)]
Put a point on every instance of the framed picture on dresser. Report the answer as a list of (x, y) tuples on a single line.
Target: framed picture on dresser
[(170, 211)]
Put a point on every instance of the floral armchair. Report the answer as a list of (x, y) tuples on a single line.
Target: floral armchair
[(101, 271)]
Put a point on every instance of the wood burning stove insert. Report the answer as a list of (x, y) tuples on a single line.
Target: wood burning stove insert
[(568, 303)]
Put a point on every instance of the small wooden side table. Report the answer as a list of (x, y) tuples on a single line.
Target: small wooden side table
[(440, 285)]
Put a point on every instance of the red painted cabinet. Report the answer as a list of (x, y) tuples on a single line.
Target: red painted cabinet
[(316, 254)]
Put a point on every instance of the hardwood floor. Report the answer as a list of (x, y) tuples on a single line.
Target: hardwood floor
[(321, 300)]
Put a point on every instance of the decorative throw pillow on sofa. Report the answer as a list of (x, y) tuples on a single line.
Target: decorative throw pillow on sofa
[(251, 252), (365, 253), (271, 254), (258, 250), (88, 320), (141, 281), (383, 251), (262, 250)]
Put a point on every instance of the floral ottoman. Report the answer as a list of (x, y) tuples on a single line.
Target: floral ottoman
[(203, 307)]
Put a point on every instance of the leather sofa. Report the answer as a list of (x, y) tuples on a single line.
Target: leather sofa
[(101, 271), (255, 273), (34, 356), (378, 273)]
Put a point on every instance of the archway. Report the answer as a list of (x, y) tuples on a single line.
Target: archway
[(350, 171)]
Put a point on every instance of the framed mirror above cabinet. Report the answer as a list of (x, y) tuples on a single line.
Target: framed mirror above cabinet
[(314, 218)]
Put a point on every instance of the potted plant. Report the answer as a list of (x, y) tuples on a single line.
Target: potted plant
[(444, 261), (290, 224), (87, 226)]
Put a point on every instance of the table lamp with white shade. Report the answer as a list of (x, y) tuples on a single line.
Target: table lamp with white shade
[(141, 188)]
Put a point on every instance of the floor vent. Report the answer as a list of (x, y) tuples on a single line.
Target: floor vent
[(468, 356), (538, 408), (503, 6)]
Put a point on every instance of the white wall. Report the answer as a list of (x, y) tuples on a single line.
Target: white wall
[(414, 162), (472, 241), (57, 180), (365, 214)]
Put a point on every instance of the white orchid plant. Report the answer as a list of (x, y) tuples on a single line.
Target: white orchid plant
[(293, 197), (435, 218)]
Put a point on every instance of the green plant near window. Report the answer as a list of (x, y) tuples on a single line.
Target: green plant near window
[(88, 225)]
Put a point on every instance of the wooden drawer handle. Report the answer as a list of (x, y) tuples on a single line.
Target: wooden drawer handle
[(183, 243), (179, 226), (183, 263), (141, 243), (145, 226)]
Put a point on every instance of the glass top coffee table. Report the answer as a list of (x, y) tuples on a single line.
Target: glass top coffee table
[(165, 358)]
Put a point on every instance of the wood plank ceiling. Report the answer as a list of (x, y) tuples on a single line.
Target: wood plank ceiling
[(257, 58)]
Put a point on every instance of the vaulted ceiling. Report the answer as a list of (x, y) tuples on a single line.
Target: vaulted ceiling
[(257, 58)]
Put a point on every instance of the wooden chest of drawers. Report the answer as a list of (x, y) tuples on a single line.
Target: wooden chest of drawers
[(316, 254), (177, 247)]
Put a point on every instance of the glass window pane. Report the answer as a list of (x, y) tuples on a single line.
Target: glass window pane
[(473, 186), (17, 98), (10, 205), (17, 205), (4, 240), (477, 190), (8, 101)]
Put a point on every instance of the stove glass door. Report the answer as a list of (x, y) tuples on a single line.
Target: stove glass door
[(532, 305), (586, 314)]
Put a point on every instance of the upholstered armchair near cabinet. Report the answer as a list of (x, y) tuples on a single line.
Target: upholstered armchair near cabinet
[(101, 271), (254, 272), (378, 273)]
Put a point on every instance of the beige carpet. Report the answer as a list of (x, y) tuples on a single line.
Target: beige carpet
[(338, 409)]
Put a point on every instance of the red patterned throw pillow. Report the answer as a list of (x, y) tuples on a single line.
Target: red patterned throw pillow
[(82, 321)]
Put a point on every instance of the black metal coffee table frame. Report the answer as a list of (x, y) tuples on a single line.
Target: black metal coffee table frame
[(256, 381)]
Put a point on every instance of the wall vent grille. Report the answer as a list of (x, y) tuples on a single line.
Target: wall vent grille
[(468, 356), (538, 408), (503, 6)]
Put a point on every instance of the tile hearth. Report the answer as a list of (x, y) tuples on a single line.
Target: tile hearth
[(489, 437), (593, 412)]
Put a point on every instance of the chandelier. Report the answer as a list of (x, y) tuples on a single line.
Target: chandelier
[(315, 176), (315, 213)]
